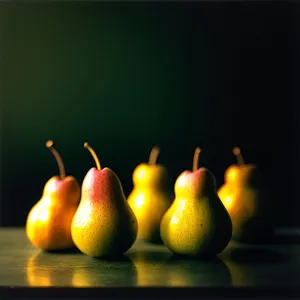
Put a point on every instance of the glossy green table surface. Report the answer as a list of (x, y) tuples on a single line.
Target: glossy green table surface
[(25, 268)]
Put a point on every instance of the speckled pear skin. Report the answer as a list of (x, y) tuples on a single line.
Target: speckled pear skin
[(104, 224), (48, 224), (197, 223), (150, 198)]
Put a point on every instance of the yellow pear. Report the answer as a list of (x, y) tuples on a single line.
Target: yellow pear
[(197, 223), (104, 224), (247, 201), (151, 197), (48, 224)]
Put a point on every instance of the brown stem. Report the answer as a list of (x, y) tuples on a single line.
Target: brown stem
[(237, 152), (87, 146), (58, 158), (153, 155), (196, 159)]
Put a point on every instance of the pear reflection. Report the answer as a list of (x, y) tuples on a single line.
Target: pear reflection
[(45, 269), (93, 272), (151, 267), (240, 274), (247, 266), (193, 272)]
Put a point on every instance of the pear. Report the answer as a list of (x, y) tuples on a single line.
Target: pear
[(197, 223), (247, 201), (151, 197), (104, 224), (48, 224)]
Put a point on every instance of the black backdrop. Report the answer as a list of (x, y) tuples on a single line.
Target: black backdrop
[(126, 76)]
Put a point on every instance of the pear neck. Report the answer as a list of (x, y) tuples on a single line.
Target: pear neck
[(159, 186), (196, 195)]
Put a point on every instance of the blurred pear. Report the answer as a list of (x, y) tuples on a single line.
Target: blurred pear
[(151, 196), (247, 201)]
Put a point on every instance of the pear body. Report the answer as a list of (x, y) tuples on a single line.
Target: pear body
[(150, 199), (224, 191), (248, 204), (250, 213), (48, 224), (197, 223), (104, 224), (149, 206)]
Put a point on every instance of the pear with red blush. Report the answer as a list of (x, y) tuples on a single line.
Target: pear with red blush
[(48, 224), (197, 223), (104, 224)]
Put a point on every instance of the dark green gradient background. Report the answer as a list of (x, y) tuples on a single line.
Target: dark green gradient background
[(126, 76)]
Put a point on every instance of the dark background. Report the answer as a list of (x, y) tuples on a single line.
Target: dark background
[(126, 76)]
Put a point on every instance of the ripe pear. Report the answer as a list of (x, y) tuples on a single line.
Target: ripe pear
[(151, 197), (104, 224), (197, 223), (247, 201), (48, 224)]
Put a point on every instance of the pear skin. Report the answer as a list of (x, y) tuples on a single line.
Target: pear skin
[(251, 218), (104, 224), (197, 223), (48, 224), (247, 202), (150, 198)]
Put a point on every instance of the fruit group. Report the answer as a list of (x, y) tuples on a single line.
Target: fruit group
[(247, 201), (104, 224), (197, 223), (48, 224), (151, 197)]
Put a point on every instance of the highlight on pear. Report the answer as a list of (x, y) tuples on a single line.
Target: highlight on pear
[(104, 224), (247, 201), (151, 197), (48, 224), (197, 223)]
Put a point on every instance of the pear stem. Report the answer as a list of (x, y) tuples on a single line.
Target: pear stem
[(196, 159), (87, 146), (237, 152), (58, 158), (153, 155)]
